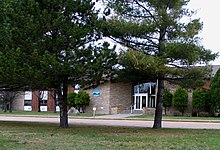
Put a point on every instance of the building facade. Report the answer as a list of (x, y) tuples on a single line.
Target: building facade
[(108, 98)]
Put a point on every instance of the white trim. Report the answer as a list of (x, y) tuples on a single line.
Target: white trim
[(27, 108), (43, 108), (141, 101)]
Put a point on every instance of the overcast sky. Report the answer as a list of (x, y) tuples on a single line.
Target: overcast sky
[(209, 11)]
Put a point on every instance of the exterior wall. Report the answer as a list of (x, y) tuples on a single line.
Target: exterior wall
[(114, 98), (18, 103), (34, 102), (121, 97), (101, 102), (50, 101)]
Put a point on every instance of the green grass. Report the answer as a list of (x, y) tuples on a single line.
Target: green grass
[(29, 113), (28, 136), (176, 117), (44, 113)]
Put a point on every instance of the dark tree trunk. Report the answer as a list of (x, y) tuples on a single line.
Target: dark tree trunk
[(10, 106), (55, 101), (39, 99), (165, 110), (63, 106), (159, 105), (5, 107)]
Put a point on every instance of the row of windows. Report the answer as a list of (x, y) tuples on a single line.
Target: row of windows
[(43, 95), (42, 102), (149, 87)]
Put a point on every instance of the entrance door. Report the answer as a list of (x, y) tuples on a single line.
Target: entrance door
[(140, 101)]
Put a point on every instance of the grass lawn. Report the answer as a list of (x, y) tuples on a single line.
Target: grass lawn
[(176, 117), (44, 113), (28, 136)]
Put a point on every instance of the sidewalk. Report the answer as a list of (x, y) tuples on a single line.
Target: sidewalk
[(116, 116)]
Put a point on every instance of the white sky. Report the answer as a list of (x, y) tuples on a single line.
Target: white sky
[(208, 11)]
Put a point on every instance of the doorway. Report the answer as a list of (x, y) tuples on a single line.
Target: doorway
[(140, 101)]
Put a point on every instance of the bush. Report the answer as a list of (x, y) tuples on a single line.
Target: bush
[(78, 100), (180, 99), (71, 99), (199, 100), (215, 92), (167, 99), (82, 99)]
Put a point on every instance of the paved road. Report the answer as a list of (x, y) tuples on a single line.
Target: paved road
[(115, 122)]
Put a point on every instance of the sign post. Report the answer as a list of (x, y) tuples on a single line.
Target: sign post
[(94, 110)]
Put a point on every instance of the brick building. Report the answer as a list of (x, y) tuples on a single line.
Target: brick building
[(109, 98)]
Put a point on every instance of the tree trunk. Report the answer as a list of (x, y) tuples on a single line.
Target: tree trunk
[(39, 99), (63, 106), (10, 106), (5, 107), (165, 111), (55, 102), (159, 105)]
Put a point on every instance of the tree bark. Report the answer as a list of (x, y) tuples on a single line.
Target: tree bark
[(10, 106), (39, 100), (55, 102), (63, 106), (159, 105)]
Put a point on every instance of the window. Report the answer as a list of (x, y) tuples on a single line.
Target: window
[(151, 102), (149, 87), (27, 102), (145, 95), (43, 102), (28, 95), (44, 95)]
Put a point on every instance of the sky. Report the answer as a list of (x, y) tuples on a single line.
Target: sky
[(208, 11)]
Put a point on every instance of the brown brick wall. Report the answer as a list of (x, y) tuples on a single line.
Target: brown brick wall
[(121, 96), (102, 102), (114, 98), (34, 103), (50, 101)]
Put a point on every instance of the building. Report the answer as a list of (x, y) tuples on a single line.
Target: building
[(109, 98), (29, 100)]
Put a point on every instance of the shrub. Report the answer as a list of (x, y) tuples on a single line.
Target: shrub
[(167, 99), (71, 99), (215, 92), (78, 100), (180, 99), (82, 99), (199, 100)]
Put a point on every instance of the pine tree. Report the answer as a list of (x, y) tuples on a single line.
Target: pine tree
[(215, 92), (155, 29), (50, 45)]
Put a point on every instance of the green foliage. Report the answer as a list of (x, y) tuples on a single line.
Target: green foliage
[(180, 99), (71, 99), (199, 99), (82, 98), (155, 28), (78, 99), (138, 66), (215, 92), (167, 98), (50, 45)]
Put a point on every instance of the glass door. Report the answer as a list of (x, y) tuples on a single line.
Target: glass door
[(140, 101)]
